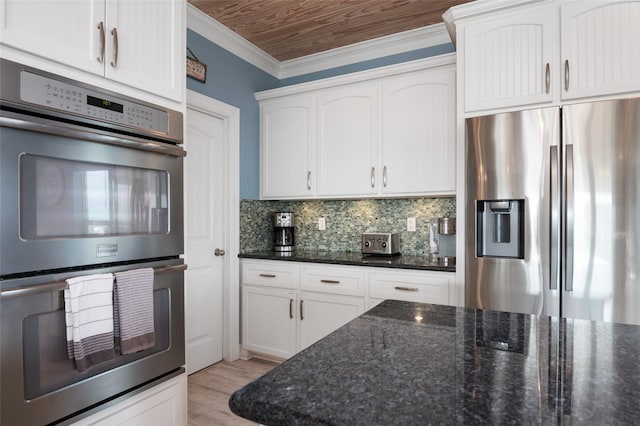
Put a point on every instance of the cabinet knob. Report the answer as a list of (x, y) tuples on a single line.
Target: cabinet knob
[(219, 252)]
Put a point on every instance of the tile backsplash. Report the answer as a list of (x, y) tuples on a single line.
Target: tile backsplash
[(346, 220)]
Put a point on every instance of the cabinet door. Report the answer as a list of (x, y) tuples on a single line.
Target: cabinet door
[(321, 314), (149, 51), (347, 141), (269, 321), (600, 48), (64, 31), (418, 133), (287, 140), (510, 60)]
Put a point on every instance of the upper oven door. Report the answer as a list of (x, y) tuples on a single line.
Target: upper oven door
[(72, 197)]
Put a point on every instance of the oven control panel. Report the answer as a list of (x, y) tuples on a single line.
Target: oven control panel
[(75, 99)]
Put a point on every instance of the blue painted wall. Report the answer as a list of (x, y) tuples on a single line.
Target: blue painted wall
[(234, 81)]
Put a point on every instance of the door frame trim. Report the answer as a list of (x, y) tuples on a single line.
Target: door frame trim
[(230, 117)]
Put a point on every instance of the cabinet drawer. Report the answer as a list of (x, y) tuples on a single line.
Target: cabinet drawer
[(348, 281), (425, 288), (271, 274)]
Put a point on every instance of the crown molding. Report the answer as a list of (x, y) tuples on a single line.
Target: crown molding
[(406, 41), (217, 33), (431, 63)]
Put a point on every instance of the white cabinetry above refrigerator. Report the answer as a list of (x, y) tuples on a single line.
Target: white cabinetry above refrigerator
[(544, 53)]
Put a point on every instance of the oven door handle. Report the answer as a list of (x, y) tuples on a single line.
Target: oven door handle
[(51, 127), (62, 284)]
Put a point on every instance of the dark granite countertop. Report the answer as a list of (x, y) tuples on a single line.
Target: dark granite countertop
[(426, 262), (405, 363)]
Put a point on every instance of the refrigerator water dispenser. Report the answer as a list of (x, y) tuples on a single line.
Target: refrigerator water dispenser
[(500, 228)]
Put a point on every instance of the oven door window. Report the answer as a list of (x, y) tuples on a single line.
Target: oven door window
[(65, 198)]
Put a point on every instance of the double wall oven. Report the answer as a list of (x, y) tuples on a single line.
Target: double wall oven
[(91, 183)]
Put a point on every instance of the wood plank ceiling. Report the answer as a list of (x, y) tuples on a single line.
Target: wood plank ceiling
[(289, 29)]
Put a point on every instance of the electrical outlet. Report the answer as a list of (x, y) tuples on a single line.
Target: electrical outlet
[(411, 224), (322, 225)]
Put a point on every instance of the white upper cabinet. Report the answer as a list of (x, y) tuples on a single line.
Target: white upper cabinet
[(549, 51), (600, 52), (418, 130), (149, 45), (63, 31), (511, 59), (383, 133), (287, 127), (347, 141), (137, 43)]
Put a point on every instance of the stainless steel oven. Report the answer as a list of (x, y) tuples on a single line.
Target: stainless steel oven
[(39, 382), (91, 182), (87, 177)]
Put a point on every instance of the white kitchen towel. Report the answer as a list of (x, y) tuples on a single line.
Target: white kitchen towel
[(89, 319), (133, 310)]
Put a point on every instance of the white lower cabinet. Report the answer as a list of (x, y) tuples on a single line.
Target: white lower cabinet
[(269, 320), (288, 306), (164, 404), (321, 314), (280, 318)]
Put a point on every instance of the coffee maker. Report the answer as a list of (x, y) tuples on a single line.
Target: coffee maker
[(283, 239), (443, 240)]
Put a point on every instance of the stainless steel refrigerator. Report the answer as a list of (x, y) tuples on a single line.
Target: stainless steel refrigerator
[(553, 211)]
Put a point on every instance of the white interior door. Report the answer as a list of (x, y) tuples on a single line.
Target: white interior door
[(205, 233)]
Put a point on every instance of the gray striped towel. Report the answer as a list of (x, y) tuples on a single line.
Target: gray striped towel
[(133, 310), (89, 319)]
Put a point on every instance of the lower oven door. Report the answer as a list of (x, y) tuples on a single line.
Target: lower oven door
[(39, 384)]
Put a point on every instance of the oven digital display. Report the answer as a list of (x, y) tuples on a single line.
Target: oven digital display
[(104, 103)]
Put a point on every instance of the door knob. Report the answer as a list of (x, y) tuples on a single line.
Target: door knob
[(219, 252)]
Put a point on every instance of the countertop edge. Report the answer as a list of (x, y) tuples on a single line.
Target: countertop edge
[(350, 259)]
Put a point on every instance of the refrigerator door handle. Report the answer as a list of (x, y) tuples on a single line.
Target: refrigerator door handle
[(555, 219), (569, 218)]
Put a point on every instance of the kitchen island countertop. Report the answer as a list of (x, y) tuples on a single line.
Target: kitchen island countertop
[(425, 262), (405, 363)]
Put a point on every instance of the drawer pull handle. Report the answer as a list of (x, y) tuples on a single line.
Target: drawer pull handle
[(406, 288), (330, 282), (267, 275)]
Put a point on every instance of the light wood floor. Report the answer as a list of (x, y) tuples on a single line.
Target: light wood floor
[(210, 389)]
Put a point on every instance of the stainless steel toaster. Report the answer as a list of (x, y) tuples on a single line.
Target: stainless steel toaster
[(384, 243)]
